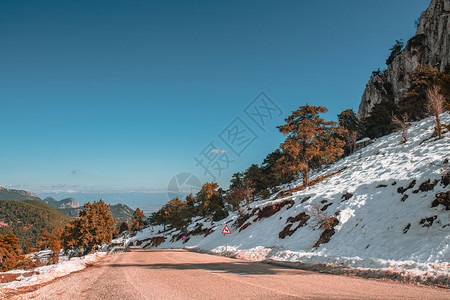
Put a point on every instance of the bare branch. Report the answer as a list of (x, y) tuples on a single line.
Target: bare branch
[(435, 106), (403, 124)]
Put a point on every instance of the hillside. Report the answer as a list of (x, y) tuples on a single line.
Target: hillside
[(386, 205), (29, 218), (8, 194)]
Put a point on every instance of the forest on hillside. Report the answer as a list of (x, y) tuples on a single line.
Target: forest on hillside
[(28, 219)]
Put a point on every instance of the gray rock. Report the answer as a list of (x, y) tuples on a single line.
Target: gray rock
[(429, 47)]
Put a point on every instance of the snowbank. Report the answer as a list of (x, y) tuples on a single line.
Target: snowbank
[(48, 273)]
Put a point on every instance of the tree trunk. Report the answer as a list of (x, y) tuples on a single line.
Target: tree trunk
[(438, 126), (305, 175)]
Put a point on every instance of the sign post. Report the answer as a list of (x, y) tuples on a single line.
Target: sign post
[(226, 231)]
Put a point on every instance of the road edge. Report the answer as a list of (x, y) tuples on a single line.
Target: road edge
[(440, 282)]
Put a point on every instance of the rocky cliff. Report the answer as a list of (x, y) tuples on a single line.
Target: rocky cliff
[(429, 47)]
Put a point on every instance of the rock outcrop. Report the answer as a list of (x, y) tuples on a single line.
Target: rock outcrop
[(429, 47), (61, 204), (68, 203)]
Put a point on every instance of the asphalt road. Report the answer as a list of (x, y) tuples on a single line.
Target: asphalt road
[(179, 274)]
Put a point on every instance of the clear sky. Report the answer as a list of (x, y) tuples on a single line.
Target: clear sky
[(121, 96)]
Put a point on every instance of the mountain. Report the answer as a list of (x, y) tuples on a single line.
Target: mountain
[(69, 203), (27, 216), (11, 194), (430, 46), (62, 204), (71, 208), (381, 211), (51, 202), (121, 212), (27, 219)]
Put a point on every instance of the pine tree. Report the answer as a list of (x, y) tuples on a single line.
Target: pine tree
[(55, 246), (379, 122), (415, 101), (95, 226), (176, 213), (270, 168), (310, 140), (122, 227), (395, 51), (349, 121), (238, 193), (10, 255), (51, 242), (237, 180), (138, 220), (444, 83), (284, 169), (211, 202), (44, 239), (28, 247), (257, 179)]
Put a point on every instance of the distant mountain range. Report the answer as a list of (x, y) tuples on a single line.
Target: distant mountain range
[(10, 194), (120, 212), (68, 206)]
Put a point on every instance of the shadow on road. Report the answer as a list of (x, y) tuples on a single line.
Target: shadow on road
[(159, 250), (238, 267)]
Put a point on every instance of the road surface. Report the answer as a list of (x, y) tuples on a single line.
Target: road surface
[(179, 274)]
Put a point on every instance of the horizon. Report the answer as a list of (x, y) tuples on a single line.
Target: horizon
[(127, 101)]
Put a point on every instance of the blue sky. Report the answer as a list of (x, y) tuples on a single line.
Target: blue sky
[(117, 96)]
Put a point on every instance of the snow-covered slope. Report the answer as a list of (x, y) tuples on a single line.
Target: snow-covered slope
[(382, 199)]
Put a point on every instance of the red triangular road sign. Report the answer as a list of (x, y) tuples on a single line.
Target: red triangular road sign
[(226, 230)]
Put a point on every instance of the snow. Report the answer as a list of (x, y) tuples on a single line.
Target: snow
[(372, 231), (50, 272), (377, 231), (363, 140)]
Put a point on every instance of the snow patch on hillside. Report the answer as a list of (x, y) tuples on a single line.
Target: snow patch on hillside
[(383, 224)]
